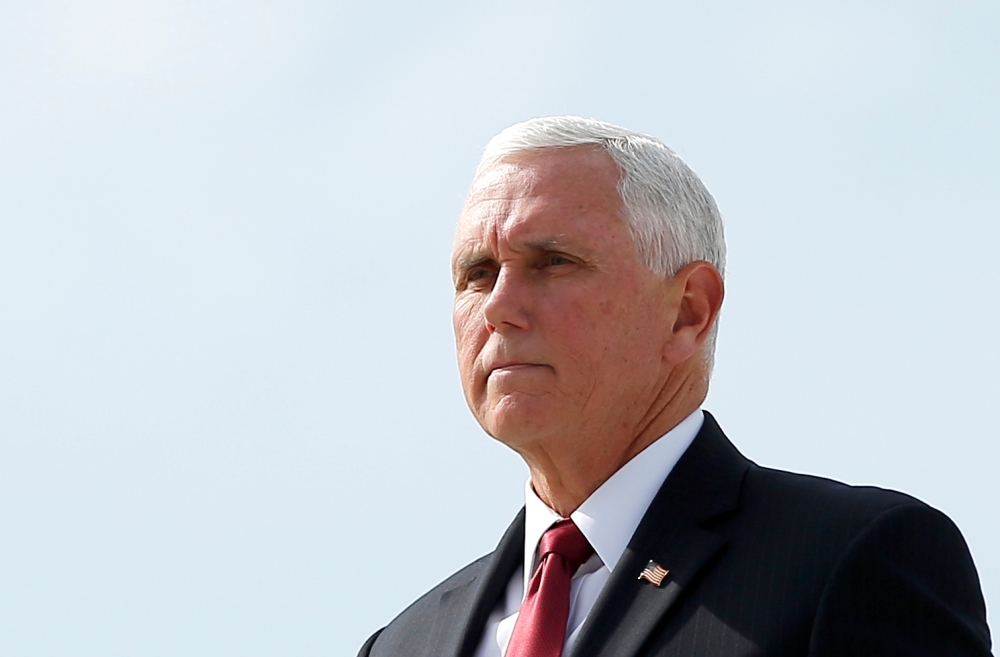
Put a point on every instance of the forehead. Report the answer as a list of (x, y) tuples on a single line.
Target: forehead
[(558, 191)]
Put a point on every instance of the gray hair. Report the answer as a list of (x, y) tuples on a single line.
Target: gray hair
[(672, 216)]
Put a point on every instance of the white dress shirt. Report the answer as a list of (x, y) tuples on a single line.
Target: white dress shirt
[(608, 518)]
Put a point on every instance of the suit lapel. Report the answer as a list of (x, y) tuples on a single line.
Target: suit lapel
[(703, 485), (466, 607)]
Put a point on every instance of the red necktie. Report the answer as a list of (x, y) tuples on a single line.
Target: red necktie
[(540, 629)]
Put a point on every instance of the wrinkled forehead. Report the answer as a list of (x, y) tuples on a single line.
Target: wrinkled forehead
[(555, 200), (583, 176), (498, 184)]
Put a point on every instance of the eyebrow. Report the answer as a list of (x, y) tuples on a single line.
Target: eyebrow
[(470, 260), (560, 243), (478, 257)]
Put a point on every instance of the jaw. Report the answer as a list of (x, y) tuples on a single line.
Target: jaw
[(517, 418)]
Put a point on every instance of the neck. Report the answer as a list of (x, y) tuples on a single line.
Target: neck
[(565, 478)]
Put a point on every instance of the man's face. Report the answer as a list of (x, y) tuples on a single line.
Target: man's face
[(559, 327)]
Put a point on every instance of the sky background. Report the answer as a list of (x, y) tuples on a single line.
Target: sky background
[(230, 418)]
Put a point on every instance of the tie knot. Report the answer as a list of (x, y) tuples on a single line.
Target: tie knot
[(565, 539)]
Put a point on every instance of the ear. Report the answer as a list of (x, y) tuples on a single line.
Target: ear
[(696, 294)]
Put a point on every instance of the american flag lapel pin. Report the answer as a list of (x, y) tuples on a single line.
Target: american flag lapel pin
[(653, 573)]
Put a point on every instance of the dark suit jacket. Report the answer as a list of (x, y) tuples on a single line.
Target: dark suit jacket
[(762, 562)]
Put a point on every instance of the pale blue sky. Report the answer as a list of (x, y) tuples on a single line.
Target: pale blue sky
[(230, 419)]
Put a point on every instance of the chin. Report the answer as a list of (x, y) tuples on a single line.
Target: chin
[(516, 423)]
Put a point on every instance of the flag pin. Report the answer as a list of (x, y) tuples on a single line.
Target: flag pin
[(653, 573)]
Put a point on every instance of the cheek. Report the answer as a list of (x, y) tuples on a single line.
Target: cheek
[(588, 326), (608, 333), (462, 320), (470, 335)]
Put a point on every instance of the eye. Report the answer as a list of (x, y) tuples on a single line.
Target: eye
[(477, 277), (556, 260)]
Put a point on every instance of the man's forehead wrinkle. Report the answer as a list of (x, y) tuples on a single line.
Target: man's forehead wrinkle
[(496, 199), (499, 182), (509, 206), (497, 219)]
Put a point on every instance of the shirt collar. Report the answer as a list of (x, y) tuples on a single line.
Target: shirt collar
[(611, 514)]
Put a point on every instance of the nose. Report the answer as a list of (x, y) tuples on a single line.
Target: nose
[(507, 305)]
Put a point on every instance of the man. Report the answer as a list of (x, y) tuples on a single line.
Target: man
[(588, 268)]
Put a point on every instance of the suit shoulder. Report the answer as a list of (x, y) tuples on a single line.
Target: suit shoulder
[(810, 493), (413, 629), (439, 619), (884, 564), (782, 503), (417, 610), (905, 583)]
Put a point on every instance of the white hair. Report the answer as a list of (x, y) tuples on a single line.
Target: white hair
[(672, 216)]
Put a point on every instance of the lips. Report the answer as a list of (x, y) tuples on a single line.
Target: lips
[(495, 361), (513, 367)]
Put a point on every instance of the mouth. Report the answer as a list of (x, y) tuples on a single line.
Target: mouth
[(511, 368)]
